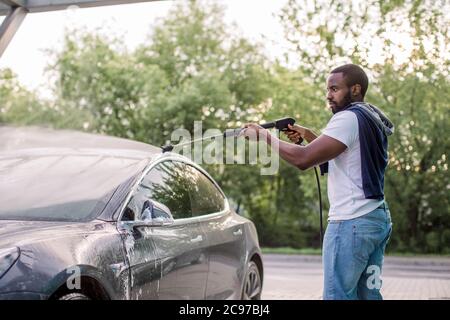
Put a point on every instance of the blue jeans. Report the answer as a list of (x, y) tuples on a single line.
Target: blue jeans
[(353, 252)]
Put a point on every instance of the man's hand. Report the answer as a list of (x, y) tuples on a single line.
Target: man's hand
[(254, 132), (296, 132), (319, 150)]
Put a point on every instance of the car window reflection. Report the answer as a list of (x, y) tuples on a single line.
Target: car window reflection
[(183, 189)]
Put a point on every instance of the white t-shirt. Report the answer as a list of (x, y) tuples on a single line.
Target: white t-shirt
[(345, 191)]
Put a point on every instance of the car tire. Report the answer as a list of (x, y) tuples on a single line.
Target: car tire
[(74, 296), (252, 283)]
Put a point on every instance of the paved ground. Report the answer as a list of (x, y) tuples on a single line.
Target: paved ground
[(299, 277)]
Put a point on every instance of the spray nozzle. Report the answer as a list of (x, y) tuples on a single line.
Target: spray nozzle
[(280, 124)]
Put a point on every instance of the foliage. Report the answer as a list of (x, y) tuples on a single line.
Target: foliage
[(194, 67), (404, 45)]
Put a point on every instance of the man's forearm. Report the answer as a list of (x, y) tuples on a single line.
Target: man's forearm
[(292, 153), (321, 150)]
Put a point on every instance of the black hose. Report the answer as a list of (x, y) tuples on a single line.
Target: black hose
[(300, 142), (320, 207)]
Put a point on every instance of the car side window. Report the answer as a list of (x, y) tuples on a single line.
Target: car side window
[(183, 189), (168, 183), (205, 196)]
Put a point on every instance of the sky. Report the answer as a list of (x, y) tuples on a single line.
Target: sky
[(26, 54)]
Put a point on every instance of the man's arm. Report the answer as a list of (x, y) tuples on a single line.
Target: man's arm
[(296, 132), (320, 150)]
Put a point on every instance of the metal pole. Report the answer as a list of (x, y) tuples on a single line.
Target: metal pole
[(10, 25)]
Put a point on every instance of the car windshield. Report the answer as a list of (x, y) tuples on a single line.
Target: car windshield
[(61, 187)]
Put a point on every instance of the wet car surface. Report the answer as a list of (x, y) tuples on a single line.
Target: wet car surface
[(86, 216)]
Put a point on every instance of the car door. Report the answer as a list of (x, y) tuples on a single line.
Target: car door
[(140, 250), (181, 246), (225, 235)]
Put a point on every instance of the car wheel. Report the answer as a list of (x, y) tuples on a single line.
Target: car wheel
[(74, 296), (252, 285)]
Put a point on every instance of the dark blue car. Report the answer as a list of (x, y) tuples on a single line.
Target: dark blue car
[(86, 216)]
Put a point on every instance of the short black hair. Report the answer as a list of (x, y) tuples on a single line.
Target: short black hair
[(354, 74)]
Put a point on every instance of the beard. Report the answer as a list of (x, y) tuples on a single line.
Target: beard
[(344, 103)]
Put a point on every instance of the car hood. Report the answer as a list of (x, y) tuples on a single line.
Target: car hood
[(20, 233)]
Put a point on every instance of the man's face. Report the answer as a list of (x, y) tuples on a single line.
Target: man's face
[(338, 93)]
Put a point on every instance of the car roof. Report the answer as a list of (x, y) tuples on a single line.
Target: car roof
[(26, 139), (46, 168)]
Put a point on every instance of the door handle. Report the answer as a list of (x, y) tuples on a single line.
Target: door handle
[(198, 238), (238, 232)]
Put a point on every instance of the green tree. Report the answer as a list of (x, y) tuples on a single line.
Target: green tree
[(192, 68), (18, 105)]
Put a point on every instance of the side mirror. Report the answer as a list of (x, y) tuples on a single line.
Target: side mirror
[(154, 213), (147, 211)]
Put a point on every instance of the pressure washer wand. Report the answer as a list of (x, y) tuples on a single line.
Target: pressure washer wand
[(170, 147), (280, 124)]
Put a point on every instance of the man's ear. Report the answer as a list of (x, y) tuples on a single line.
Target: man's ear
[(356, 90)]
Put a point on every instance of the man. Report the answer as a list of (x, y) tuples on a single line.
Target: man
[(353, 150)]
